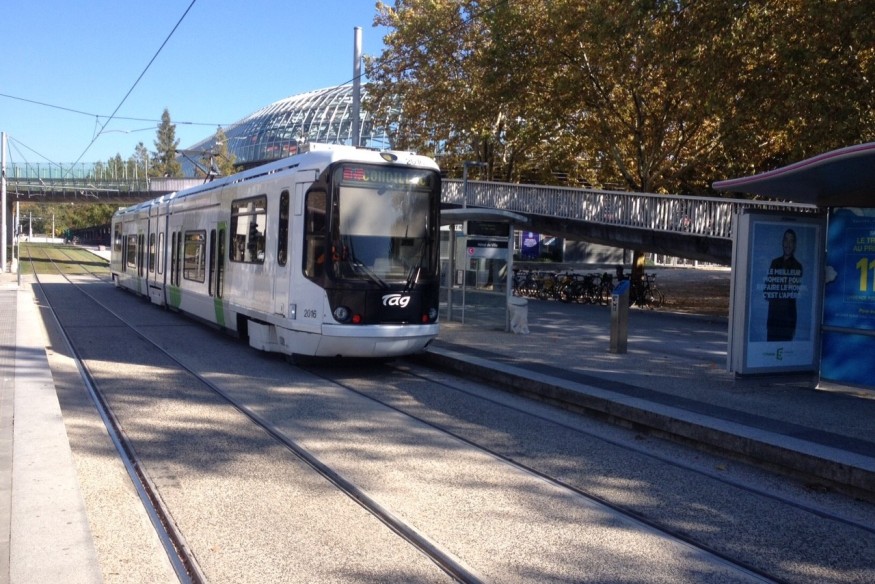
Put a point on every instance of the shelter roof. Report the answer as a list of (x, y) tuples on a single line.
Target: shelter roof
[(840, 178), (455, 216)]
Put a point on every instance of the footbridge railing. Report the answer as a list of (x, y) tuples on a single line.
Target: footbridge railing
[(54, 183), (704, 216)]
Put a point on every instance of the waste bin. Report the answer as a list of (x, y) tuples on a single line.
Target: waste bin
[(620, 317), (518, 309)]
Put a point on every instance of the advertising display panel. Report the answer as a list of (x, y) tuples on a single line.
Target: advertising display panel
[(776, 293), (530, 248), (849, 298)]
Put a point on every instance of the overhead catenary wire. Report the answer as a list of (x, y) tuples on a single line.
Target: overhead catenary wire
[(121, 103), (100, 128), (94, 115)]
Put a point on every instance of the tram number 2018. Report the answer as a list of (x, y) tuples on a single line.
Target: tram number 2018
[(311, 313)]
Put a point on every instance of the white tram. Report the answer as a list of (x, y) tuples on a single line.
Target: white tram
[(331, 252)]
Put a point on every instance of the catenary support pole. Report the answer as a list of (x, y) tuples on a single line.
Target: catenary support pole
[(357, 88), (3, 230)]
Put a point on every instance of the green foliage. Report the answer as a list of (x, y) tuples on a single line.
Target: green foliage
[(649, 95), (165, 162), (65, 216), (142, 160), (219, 160)]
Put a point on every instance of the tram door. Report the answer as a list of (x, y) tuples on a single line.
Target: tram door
[(151, 257), (217, 260), (288, 200), (281, 277)]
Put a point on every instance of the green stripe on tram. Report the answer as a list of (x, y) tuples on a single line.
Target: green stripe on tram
[(174, 296), (220, 311)]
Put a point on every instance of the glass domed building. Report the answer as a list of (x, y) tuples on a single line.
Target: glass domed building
[(276, 130)]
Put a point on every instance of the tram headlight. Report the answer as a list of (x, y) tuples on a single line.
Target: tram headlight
[(430, 316), (342, 314)]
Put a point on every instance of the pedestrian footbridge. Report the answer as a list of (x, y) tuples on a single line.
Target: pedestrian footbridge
[(87, 183), (698, 228)]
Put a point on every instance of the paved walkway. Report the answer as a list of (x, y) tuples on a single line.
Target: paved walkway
[(44, 531), (671, 379)]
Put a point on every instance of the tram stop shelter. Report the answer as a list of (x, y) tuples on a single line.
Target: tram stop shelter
[(803, 285), (477, 267)]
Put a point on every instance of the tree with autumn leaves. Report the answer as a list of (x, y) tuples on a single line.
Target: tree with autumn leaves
[(645, 95)]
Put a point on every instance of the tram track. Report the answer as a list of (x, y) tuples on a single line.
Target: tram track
[(400, 399), (389, 387), (704, 472), (588, 495), (183, 560), (184, 564)]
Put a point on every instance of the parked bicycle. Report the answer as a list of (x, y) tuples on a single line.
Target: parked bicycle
[(645, 293), (568, 286)]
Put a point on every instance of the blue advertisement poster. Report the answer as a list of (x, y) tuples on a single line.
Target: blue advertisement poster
[(783, 303), (849, 298), (530, 248)]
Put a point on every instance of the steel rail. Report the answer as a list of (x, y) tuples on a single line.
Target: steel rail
[(172, 540)]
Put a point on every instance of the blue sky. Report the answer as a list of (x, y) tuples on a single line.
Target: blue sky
[(225, 60)]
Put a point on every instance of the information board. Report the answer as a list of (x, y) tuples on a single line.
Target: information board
[(489, 228), (487, 248)]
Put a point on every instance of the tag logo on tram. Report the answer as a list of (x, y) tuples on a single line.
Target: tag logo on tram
[(396, 300)]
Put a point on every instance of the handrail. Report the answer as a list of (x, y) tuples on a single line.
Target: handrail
[(708, 216), (705, 216)]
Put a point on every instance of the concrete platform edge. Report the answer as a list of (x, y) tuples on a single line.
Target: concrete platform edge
[(47, 512), (853, 474)]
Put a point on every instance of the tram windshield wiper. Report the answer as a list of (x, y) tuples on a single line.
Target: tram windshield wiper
[(415, 271), (359, 267)]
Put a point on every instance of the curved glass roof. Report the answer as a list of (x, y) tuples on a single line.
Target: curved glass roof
[(274, 131)]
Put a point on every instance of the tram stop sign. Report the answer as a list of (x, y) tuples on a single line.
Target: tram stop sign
[(487, 248)]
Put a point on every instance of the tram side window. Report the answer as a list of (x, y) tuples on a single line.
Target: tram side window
[(194, 250), (175, 257), (131, 258), (314, 234), (174, 281), (117, 238), (161, 253), (220, 267), (179, 255), (248, 230), (282, 245), (152, 252), (141, 243)]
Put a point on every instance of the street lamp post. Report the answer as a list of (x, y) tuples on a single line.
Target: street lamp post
[(3, 203)]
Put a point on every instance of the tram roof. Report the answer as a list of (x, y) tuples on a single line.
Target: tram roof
[(840, 178)]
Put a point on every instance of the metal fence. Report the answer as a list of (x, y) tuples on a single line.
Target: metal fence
[(88, 180), (709, 216)]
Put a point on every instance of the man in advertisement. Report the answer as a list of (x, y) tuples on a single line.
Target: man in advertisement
[(780, 306), (781, 291)]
